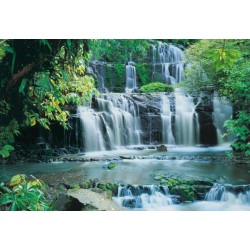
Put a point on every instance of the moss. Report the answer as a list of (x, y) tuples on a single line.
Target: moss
[(113, 187), (86, 184), (111, 165), (186, 193), (75, 186)]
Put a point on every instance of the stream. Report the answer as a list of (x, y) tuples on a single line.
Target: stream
[(205, 163)]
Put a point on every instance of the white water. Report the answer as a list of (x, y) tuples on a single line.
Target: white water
[(171, 60), (145, 197), (226, 193), (222, 112), (115, 122), (166, 117), (186, 120), (154, 197), (130, 78), (92, 132)]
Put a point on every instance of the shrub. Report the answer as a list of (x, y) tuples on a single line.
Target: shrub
[(23, 195), (156, 87)]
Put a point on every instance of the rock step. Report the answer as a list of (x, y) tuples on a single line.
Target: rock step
[(88, 197)]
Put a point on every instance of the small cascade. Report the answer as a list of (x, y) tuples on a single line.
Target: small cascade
[(92, 131), (222, 112), (143, 196), (186, 120), (130, 77), (170, 58), (114, 122), (238, 195), (166, 117)]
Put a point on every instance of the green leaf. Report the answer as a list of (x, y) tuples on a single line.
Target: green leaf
[(4, 153), (22, 86), (69, 43), (46, 42), (64, 75), (9, 49), (8, 147)]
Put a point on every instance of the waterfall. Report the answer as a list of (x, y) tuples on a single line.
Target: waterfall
[(170, 58), (186, 120), (239, 195), (166, 117), (92, 132), (143, 196), (114, 122), (222, 112), (130, 77)]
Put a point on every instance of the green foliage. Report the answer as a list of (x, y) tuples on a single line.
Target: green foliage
[(119, 50), (8, 133), (51, 92), (143, 70), (241, 128), (223, 58), (23, 195), (187, 193), (183, 42), (108, 186), (156, 87), (75, 186), (5, 150), (38, 88), (119, 74), (223, 66)]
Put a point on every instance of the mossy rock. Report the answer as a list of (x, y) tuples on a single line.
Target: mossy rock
[(106, 193), (75, 186), (86, 184), (186, 193), (111, 165), (113, 187)]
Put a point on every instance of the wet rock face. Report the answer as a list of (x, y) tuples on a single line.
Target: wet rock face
[(149, 110), (149, 106)]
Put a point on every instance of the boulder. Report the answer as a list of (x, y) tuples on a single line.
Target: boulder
[(162, 148), (98, 201)]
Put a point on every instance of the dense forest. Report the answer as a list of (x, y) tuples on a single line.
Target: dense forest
[(42, 81)]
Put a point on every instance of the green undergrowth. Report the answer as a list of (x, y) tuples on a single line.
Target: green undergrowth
[(156, 87)]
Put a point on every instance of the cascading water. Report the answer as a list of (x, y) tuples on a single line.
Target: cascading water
[(170, 58), (239, 195), (186, 120), (92, 129), (113, 123), (166, 117), (222, 112), (143, 196), (130, 77)]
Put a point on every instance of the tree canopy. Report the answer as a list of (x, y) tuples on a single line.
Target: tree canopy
[(38, 79)]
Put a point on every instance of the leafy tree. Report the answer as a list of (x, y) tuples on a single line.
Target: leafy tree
[(223, 66), (119, 50), (38, 80)]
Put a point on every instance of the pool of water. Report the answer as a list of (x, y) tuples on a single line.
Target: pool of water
[(197, 164)]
